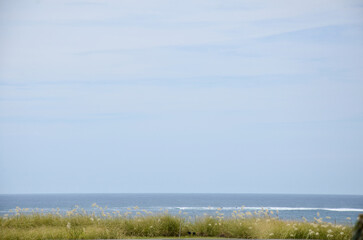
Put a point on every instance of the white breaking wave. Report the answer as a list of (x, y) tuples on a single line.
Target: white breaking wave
[(271, 208)]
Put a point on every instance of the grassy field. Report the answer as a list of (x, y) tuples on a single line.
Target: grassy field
[(77, 224)]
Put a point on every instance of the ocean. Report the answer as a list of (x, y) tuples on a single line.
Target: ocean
[(332, 208)]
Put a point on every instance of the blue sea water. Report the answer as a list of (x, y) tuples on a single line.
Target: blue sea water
[(332, 208)]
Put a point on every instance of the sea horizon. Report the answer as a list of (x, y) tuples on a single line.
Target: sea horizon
[(54, 193), (333, 208)]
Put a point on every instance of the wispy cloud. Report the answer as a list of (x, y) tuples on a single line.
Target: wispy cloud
[(198, 81)]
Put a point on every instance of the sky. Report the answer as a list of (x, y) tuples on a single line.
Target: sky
[(197, 96)]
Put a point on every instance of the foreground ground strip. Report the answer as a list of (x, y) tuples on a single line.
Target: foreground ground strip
[(78, 224)]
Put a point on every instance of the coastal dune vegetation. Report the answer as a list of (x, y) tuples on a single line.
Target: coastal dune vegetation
[(102, 224)]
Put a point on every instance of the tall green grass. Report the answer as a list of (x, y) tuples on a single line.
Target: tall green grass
[(77, 224)]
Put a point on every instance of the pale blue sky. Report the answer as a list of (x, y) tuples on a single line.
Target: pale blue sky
[(181, 96)]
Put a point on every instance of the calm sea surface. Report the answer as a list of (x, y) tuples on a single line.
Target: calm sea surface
[(337, 207)]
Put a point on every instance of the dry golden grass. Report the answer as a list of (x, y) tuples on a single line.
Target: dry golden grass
[(77, 224)]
